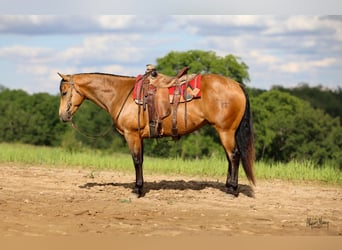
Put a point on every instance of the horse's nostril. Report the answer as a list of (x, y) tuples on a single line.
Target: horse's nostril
[(64, 117)]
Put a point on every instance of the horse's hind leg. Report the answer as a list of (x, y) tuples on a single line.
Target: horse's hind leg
[(233, 172), (233, 158)]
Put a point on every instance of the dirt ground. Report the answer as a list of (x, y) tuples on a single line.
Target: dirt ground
[(60, 201)]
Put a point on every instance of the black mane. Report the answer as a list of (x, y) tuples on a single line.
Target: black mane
[(105, 74)]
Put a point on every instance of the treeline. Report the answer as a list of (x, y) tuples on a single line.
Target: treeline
[(29, 119), (33, 119), (286, 127), (319, 97), (289, 128)]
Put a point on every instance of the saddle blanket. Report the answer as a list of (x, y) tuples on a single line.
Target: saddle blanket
[(193, 90)]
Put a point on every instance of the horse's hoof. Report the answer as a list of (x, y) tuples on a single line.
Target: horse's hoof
[(138, 192), (232, 190)]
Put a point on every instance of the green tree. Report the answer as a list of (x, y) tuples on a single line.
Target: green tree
[(198, 146), (13, 115), (289, 128), (319, 97), (204, 62), (44, 126), (29, 119)]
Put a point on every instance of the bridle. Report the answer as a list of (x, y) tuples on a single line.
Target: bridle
[(73, 124), (69, 103)]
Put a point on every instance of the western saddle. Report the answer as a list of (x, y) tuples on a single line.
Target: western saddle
[(155, 95)]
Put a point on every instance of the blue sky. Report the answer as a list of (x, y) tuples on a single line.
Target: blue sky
[(279, 49)]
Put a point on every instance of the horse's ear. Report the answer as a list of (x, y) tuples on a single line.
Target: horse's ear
[(64, 77)]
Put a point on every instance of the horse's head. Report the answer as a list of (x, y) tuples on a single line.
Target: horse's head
[(71, 98)]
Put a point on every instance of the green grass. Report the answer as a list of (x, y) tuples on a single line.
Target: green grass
[(299, 171), (212, 167)]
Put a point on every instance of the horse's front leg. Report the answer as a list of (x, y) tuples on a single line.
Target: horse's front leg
[(139, 179), (135, 145)]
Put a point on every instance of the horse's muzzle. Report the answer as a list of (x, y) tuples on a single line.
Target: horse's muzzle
[(65, 117)]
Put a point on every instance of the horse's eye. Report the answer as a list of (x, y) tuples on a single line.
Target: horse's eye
[(154, 73), (64, 93)]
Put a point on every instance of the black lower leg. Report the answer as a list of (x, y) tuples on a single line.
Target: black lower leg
[(139, 181), (233, 171)]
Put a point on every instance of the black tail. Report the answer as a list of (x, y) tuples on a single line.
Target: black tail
[(245, 140)]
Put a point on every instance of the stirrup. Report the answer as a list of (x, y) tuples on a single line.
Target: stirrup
[(156, 129)]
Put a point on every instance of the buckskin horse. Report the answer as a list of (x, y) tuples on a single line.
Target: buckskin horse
[(224, 104)]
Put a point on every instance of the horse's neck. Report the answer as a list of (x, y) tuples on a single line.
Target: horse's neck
[(108, 92)]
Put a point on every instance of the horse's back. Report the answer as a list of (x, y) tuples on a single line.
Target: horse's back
[(220, 84)]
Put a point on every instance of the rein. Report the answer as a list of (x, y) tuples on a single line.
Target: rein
[(74, 126), (117, 116)]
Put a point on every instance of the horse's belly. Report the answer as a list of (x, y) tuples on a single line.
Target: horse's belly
[(188, 119)]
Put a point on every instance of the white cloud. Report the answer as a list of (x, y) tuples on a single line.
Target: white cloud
[(79, 24), (293, 24), (264, 58), (121, 70), (104, 48), (36, 69), (24, 53), (313, 26), (114, 22), (220, 25), (295, 67)]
